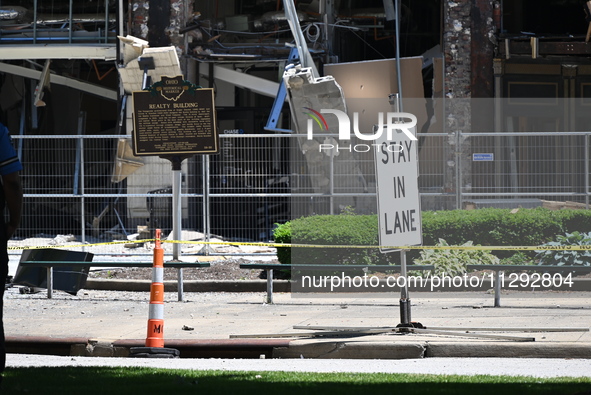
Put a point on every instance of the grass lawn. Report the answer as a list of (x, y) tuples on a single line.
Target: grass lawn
[(115, 381)]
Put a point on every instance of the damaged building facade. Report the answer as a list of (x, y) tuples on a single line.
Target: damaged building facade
[(470, 67)]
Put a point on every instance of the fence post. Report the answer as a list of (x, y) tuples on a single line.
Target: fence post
[(458, 158), (206, 205), (587, 171)]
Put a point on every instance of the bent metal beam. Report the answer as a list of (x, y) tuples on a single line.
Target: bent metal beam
[(92, 89)]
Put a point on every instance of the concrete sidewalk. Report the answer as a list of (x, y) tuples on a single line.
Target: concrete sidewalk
[(532, 367), (206, 324)]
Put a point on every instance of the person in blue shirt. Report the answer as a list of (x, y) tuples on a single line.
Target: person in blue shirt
[(11, 198)]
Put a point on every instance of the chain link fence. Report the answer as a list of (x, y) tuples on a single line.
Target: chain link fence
[(73, 184)]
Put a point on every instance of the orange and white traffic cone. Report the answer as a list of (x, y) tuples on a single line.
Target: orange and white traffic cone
[(156, 315), (155, 340)]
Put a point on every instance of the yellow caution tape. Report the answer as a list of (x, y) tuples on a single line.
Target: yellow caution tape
[(290, 245), (80, 245)]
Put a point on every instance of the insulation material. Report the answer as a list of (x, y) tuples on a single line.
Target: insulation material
[(306, 92), (126, 162), (132, 47), (166, 64)]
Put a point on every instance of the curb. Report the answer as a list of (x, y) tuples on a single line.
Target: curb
[(508, 350), (190, 285), (381, 349), (347, 349), (202, 348), (580, 284), (310, 349), (42, 345)]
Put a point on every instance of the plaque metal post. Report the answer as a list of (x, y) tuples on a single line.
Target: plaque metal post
[(177, 177)]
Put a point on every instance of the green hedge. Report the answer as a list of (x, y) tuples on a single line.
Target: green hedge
[(330, 230), (526, 227)]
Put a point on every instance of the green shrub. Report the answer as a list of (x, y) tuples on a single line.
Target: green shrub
[(519, 258), (332, 230), (575, 220), (282, 234), (452, 262), (490, 226), (567, 257), (487, 227)]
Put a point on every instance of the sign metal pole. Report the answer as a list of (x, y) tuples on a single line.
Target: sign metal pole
[(177, 218), (399, 209), (405, 318)]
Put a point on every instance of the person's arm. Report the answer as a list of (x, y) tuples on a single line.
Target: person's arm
[(13, 194)]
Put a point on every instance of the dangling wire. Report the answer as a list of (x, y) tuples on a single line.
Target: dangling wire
[(312, 37), (399, 77)]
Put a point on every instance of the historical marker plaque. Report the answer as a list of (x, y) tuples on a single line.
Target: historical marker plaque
[(174, 117)]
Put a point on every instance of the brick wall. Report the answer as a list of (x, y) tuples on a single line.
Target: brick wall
[(456, 46), (179, 10)]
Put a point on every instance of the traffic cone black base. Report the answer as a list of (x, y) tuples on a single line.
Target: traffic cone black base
[(154, 352)]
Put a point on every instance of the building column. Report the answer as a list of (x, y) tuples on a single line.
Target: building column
[(456, 43)]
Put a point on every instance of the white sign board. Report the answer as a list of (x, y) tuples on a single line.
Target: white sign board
[(399, 205)]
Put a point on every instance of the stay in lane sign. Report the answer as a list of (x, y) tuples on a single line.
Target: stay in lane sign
[(399, 208)]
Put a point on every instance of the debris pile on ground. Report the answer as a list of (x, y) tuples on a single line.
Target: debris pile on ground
[(222, 269)]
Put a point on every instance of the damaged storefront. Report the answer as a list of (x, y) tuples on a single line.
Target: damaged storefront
[(67, 70)]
